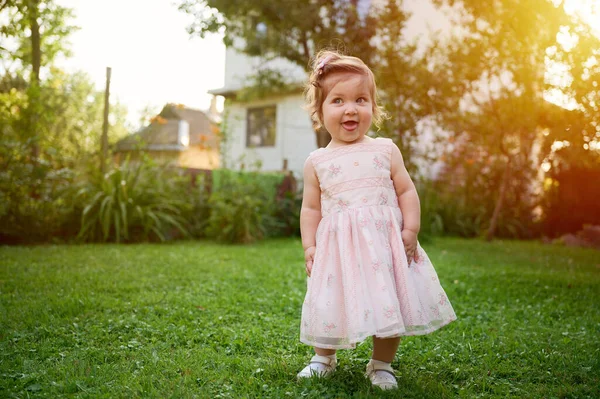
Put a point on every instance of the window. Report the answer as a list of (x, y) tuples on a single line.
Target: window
[(260, 127), (184, 133)]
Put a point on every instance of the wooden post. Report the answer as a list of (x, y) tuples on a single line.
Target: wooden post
[(104, 140)]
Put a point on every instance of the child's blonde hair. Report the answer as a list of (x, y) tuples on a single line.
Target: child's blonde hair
[(326, 63)]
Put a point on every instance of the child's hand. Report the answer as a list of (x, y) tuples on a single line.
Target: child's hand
[(409, 238), (309, 256)]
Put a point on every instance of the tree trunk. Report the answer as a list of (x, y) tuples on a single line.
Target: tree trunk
[(36, 52), (36, 62), (503, 187), (323, 137)]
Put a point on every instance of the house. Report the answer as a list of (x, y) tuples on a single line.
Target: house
[(182, 136), (275, 132)]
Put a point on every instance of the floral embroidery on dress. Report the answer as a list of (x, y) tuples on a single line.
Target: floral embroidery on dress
[(362, 222), (342, 205), (389, 312), (379, 224), (376, 265), (435, 310), (327, 327), (443, 299), (326, 195), (335, 169), (383, 199), (367, 313), (377, 163)]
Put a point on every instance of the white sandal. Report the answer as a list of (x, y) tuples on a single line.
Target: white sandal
[(319, 366), (381, 375)]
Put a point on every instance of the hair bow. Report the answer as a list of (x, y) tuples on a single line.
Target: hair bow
[(322, 64)]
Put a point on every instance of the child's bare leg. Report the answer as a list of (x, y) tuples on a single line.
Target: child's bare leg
[(384, 349), (379, 369), (324, 352)]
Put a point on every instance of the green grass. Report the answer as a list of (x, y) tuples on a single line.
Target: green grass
[(197, 319)]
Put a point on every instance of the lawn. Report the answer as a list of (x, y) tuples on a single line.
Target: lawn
[(198, 319)]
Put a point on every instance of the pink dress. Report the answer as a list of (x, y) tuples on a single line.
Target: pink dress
[(361, 284)]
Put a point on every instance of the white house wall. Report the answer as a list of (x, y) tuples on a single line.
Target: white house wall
[(238, 67), (294, 139)]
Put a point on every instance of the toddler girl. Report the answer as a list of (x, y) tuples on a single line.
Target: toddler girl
[(360, 219)]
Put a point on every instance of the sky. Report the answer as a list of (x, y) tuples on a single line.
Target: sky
[(154, 60)]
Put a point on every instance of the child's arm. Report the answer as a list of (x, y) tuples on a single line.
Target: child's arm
[(310, 214), (408, 200)]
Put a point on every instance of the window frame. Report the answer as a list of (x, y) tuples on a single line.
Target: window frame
[(249, 125)]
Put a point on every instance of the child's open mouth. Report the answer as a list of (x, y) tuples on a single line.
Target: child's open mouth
[(350, 125)]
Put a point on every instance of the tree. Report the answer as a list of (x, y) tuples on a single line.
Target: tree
[(21, 50), (77, 109), (26, 46), (495, 84), (67, 107)]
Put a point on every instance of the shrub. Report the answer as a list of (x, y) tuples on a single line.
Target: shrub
[(468, 190), (287, 214), (198, 211), (571, 200), (31, 196), (432, 223), (242, 206), (131, 202)]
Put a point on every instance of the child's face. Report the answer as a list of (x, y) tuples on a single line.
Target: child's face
[(348, 107)]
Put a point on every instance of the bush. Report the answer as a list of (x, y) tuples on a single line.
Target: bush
[(132, 202), (197, 194), (287, 214), (571, 200), (32, 208), (244, 206), (466, 193), (432, 223)]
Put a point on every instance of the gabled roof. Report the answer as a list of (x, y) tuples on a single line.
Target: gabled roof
[(163, 132)]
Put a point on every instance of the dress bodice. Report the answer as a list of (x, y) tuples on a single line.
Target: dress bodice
[(354, 176)]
